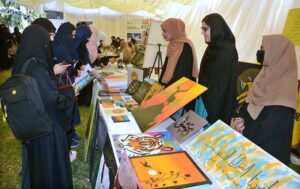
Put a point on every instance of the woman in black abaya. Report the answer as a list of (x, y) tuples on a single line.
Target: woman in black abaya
[(218, 69), (45, 160)]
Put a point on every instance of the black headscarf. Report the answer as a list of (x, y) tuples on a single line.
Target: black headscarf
[(46, 24), (63, 46), (219, 30), (34, 43), (4, 34), (218, 70), (82, 35)]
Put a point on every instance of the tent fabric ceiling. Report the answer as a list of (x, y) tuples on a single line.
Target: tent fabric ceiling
[(123, 6)]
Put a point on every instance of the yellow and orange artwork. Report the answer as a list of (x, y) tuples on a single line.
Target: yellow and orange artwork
[(167, 102), (173, 174)]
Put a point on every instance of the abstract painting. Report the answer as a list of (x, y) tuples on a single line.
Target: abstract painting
[(189, 124), (173, 174), (141, 92), (235, 162), (156, 88), (168, 101), (115, 111), (120, 118)]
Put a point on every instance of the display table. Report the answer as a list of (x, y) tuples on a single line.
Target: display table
[(220, 156)]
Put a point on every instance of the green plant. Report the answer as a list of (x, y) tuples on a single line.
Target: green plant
[(11, 15)]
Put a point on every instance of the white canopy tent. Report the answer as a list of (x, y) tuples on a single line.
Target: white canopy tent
[(249, 20)]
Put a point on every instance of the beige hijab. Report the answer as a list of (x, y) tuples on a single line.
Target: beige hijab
[(175, 28), (92, 44), (277, 82), (127, 56)]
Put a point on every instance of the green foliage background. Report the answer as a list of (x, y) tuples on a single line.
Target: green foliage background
[(12, 16)]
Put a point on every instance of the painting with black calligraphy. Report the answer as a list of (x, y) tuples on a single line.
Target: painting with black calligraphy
[(145, 144), (235, 162), (178, 171), (189, 124)]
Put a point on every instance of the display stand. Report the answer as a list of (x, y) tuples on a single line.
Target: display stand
[(156, 48), (158, 58)]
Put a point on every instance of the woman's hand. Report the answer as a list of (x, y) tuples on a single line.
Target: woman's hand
[(239, 124), (76, 90), (60, 68)]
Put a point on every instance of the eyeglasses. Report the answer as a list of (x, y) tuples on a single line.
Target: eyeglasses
[(205, 29)]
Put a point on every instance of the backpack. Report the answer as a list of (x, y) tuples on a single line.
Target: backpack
[(23, 107)]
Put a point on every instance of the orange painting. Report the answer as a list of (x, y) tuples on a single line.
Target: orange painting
[(164, 104), (174, 173), (155, 89)]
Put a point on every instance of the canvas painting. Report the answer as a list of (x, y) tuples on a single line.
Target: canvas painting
[(145, 143), (120, 118), (167, 102), (235, 162), (140, 94), (155, 89), (108, 105), (246, 75), (173, 174), (134, 74), (115, 111), (189, 124), (133, 87)]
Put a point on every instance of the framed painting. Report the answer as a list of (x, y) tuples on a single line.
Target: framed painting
[(168, 101), (173, 174)]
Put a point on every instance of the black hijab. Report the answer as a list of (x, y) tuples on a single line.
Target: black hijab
[(219, 30), (218, 70), (46, 24), (82, 35), (63, 46), (34, 43)]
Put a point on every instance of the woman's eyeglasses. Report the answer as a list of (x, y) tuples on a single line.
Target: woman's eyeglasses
[(205, 29)]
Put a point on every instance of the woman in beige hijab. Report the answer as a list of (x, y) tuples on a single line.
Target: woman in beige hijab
[(126, 51), (181, 60), (268, 118)]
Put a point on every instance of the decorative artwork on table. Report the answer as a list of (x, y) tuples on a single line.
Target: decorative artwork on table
[(120, 118), (116, 97), (178, 171), (108, 105), (103, 93), (145, 143), (134, 74), (155, 89), (140, 94), (189, 124), (168, 101), (115, 111), (133, 87), (235, 162), (106, 100)]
